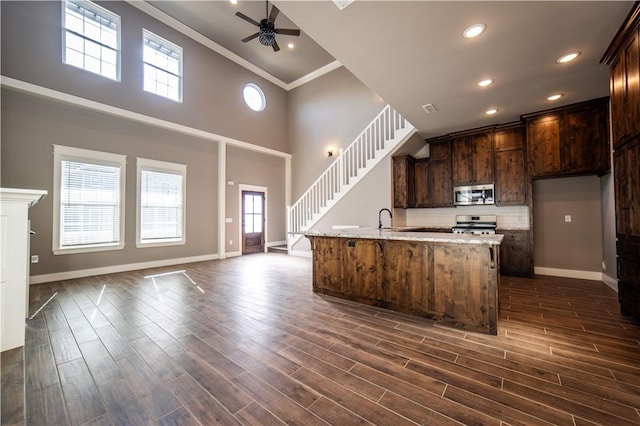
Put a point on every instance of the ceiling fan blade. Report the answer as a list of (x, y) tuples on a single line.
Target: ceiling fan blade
[(246, 18), (275, 46), (251, 37), (287, 32), (274, 14)]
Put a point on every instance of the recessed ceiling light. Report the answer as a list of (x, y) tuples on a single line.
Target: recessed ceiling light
[(491, 111), (555, 97), (290, 45), (233, 1), (474, 31), (568, 57), (485, 82)]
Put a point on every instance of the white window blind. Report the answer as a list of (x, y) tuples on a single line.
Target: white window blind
[(89, 204), (88, 197), (162, 67), (160, 205), (92, 38)]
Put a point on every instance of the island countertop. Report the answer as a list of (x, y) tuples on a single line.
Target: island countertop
[(409, 234)]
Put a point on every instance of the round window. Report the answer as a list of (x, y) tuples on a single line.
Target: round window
[(254, 97)]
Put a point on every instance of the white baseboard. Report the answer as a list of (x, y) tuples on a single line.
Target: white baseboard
[(300, 253), (276, 243), (568, 273), (233, 254), (69, 275), (611, 282)]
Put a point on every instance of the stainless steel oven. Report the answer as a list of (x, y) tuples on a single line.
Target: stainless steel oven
[(473, 195)]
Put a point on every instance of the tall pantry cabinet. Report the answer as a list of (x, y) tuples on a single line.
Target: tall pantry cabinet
[(623, 55)]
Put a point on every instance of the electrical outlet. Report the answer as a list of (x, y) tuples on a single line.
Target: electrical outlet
[(567, 218), (35, 258), (604, 265)]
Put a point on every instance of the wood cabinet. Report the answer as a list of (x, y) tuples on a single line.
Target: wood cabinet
[(440, 184), (623, 55), (421, 173), (568, 141), (510, 171), (626, 162), (454, 284), (472, 160), (403, 182), (515, 253), (424, 182)]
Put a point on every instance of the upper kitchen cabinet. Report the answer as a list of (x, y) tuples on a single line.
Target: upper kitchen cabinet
[(510, 170), (440, 188), (624, 57), (403, 182), (421, 174), (472, 160), (570, 140)]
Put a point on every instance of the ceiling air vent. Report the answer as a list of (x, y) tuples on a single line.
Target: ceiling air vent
[(343, 3), (429, 108)]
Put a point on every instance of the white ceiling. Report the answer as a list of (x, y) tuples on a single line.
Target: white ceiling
[(412, 53), (216, 20)]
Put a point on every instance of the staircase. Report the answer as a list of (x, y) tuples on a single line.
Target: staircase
[(386, 132)]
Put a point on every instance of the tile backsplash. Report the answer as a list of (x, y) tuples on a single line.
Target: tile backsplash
[(508, 217)]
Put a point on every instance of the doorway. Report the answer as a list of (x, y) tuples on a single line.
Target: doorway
[(253, 220)]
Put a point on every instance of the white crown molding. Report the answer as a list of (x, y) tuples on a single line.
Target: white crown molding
[(314, 74), (207, 42), (43, 92)]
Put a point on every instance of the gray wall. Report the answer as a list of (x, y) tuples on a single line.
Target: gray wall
[(212, 90), (557, 244), (212, 101), (30, 128), (252, 168), (329, 111), (609, 228)]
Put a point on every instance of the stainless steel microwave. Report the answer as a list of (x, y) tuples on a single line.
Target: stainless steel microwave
[(473, 195)]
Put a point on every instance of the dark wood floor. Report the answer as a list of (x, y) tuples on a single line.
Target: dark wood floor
[(245, 341)]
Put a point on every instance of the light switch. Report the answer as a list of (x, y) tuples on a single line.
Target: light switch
[(567, 218), (228, 219)]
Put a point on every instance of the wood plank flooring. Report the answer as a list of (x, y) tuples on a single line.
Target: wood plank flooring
[(245, 341)]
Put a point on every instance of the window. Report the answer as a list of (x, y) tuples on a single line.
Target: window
[(254, 97), (88, 200), (162, 67), (92, 38), (161, 203), (253, 212)]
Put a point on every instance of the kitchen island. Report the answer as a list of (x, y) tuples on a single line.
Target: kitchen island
[(450, 278)]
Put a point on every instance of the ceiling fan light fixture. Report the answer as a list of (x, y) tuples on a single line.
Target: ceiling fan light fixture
[(266, 28), (474, 31)]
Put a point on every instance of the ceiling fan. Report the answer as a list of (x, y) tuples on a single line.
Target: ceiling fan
[(266, 28)]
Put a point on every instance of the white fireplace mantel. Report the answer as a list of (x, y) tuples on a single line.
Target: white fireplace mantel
[(14, 263)]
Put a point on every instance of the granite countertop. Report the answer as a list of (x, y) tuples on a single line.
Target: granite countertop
[(408, 234)]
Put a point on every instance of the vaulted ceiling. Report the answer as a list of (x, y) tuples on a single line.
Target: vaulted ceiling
[(412, 53)]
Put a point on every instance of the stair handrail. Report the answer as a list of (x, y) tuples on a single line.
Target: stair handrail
[(344, 170)]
